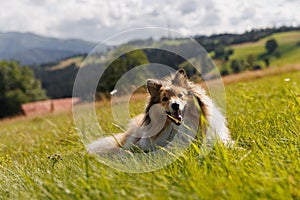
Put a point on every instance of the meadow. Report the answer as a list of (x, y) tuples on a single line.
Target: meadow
[(44, 158)]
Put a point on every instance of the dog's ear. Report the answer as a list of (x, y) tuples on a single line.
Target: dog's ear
[(180, 78), (153, 86)]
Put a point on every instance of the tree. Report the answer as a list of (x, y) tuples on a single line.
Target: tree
[(267, 62), (230, 52), (119, 67), (271, 45), (17, 86), (225, 70), (251, 58), (236, 66), (219, 52)]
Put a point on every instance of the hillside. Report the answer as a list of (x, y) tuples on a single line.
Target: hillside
[(58, 77), (288, 49), (32, 49)]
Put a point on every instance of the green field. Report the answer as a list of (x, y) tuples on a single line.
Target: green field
[(43, 157), (288, 48)]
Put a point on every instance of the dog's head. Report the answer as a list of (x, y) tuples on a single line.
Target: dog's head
[(171, 95)]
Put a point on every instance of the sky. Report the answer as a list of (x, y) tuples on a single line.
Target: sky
[(97, 20)]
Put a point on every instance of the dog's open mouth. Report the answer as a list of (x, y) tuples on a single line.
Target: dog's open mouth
[(175, 117)]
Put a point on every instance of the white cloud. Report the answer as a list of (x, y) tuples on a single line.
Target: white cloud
[(98, 19)]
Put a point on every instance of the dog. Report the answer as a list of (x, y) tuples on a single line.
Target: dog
[(178, 112)]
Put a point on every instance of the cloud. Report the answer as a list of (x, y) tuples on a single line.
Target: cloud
[(211, 19), (248, 13), (188, 7), (98, 19)]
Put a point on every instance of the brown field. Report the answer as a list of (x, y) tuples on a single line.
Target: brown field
[(250, 75)]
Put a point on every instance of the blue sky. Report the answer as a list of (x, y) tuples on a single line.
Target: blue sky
[(96, 20)]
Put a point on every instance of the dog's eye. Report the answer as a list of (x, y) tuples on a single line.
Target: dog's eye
[(180, 95), (165, 99)]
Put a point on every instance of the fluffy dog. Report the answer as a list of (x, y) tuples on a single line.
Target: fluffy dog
[(178, 112)]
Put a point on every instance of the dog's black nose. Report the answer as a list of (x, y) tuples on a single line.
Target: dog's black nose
[(175, 106)]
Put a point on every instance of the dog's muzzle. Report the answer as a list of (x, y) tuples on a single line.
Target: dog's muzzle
[(176, 115)]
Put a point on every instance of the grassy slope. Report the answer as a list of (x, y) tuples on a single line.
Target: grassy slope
[(263, 116), (287, 46)]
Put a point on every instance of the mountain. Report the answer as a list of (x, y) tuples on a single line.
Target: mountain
[(29, 48)]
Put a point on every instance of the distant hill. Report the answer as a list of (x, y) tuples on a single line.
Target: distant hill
[(58, 77), (31, 49), (288, 50)]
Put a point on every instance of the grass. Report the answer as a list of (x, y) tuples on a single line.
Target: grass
[(43, 157)]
